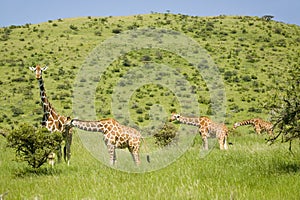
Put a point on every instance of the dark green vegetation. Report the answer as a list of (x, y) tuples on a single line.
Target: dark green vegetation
[(33, 145), (286, 107), (253, 56)]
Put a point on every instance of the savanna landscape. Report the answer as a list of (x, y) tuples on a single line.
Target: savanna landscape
[(254, 56)]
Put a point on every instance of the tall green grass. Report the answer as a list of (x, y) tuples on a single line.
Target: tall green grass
[(250, 169)]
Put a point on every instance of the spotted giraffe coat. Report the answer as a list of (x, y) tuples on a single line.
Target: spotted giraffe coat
[(206, 128)]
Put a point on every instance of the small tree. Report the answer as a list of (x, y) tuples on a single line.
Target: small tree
[(285, 107), (33, 145), (166, 135), (267, 17)]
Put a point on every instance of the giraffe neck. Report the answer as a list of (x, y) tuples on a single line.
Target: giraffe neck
[(194, 121), (44, 99), (94, 126), (246, 122), (52, 120)]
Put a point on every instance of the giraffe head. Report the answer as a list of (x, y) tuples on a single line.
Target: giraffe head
[(68, 124), (174, 116), (235, 125), (38, 71)]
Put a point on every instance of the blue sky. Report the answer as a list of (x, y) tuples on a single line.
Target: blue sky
[(19, 12)]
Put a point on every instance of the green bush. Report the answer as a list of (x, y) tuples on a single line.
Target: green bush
[(73, 27), (246, 78), (139, 111), (166, 135), (33, 145), (16, 111), (116, 30), (98, 33)]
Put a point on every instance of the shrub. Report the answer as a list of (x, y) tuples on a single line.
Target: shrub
[(285, 108), (116, 30), (139, 111), (73, 27), (16, 111), (146, 58), (255, 110), (140, 119), (166, 135), (246, 78), (98, 33), (33, 145), (209, 26)]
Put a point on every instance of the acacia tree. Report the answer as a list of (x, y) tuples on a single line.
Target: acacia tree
[(33, 145), (285, 106)]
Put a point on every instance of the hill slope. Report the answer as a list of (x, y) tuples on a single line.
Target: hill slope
[(250, 52)]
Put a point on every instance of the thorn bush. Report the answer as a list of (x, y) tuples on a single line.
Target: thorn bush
[(166, 135), (33, 145)]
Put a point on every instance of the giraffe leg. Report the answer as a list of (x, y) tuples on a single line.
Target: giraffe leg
[(112, 154), (67, 154), (270, 132), (220, 136), (205, 142), (203, 134), (257, 130), (135, 155), (136, 158), (224, 141), (221, 143), (51, 158), (59, 153)]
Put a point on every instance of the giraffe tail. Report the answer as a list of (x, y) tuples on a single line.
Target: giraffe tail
[(146, 147), (230, 130)]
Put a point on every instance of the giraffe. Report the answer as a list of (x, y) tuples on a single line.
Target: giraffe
[(52, 120), (258, 124), (115, 134), (206, 126)]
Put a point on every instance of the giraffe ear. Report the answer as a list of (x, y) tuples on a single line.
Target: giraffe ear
[(45, 68), (32, 68)]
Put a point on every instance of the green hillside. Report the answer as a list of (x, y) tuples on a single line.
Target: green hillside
[(251, 55)]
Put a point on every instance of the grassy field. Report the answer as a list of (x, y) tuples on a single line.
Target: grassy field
[(249, 170), (251, 56)]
